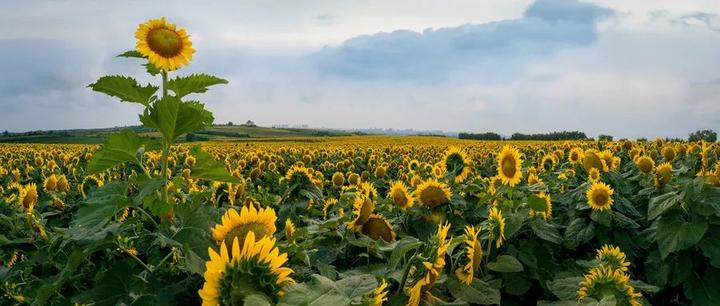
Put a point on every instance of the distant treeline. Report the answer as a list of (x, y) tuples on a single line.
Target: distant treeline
[(564, 135)]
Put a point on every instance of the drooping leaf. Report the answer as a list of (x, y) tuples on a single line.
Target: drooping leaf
[(505, 263), (565, 288), (172, 117), (206, 167), (355, 287), (545, 230), (125, 88), (117, 149), (89, 224), (194, 83), (658, 205), (320, 291), (478, 292), (674, 233)]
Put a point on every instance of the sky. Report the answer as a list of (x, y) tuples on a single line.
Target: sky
[(630, 69)]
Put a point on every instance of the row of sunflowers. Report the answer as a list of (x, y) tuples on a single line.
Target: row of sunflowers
[(367, 221), (348, 221)]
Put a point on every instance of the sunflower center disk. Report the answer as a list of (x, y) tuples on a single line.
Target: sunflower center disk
[(241, 231), (601, 198), (508, 167), (376, 228), (164, 42)]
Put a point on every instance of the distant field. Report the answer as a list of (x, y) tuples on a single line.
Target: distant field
[(214, 133)]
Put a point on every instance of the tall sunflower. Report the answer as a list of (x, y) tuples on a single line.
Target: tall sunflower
[(663, 174), (28, 197), (166, 47), (261, 222), (645, 164), (599, 196), (432, 193), (257, 266), (473, 253), (509, 165)]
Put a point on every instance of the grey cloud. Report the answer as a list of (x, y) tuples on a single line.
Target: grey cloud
[(494, 50)]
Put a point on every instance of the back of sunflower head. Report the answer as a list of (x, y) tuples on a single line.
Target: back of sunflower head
[(163, 49)]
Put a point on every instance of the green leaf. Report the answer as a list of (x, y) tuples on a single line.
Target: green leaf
[(545, 230), (402, 247), (478, 292), (132, 54), (710, 245), (579, 232), (195, 83), (95, 212), (355, 287), (674, 233), (125, 88), (320, 291), (505, 263), (172, 117), (565, 288), (206, 167), (658, 205), (256, 300), (117, 149), (703, 290), (536, 203)]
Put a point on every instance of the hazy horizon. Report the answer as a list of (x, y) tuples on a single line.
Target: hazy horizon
[(628, 69)]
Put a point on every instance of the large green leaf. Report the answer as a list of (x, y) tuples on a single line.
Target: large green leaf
[(658, 205), (703, 290), (402, 247), (151, 69), (478, 292), (579, 232), (505, 263), (355, 287), (545, 230), (125, 88), (89, 224), (536, 203), (172, 117), (674, 233), (710, 245), (206, 167), (320, 291), (194, 83), (117, 149), (565, 288)]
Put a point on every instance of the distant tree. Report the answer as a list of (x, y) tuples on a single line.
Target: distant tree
[(480, 136), (706, 135), (605, 138), (230, 123), (564, 135), (6, 133)]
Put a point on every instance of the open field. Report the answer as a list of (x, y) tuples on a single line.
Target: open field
[(451, 220)]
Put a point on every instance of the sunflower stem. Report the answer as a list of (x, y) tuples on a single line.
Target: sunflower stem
[(406, 272), (166, 147)]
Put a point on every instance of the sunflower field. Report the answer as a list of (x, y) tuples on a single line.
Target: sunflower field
[(362, 220)]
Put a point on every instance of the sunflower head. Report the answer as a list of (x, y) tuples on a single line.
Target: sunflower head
[(594, 175), (456, 164), (299, 175), (645, 164), (604, 281), (663, 174), (592, 159), (28, 197), (338, 179), (377, 227), (576, 155), (547, 213), (165, 46), (399, 195), (362, 209), (611, 256), (260, 222), (255, 267), (668, 153), (379, 295), (496, 223), (599, 196), (289, 229), (509, 165), (432, 193), (51, 183), (473, 253)]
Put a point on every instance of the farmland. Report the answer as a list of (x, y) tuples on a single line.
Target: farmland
[(471, 222)]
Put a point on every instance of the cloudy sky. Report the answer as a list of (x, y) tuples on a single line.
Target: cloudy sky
[(641, 68)]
